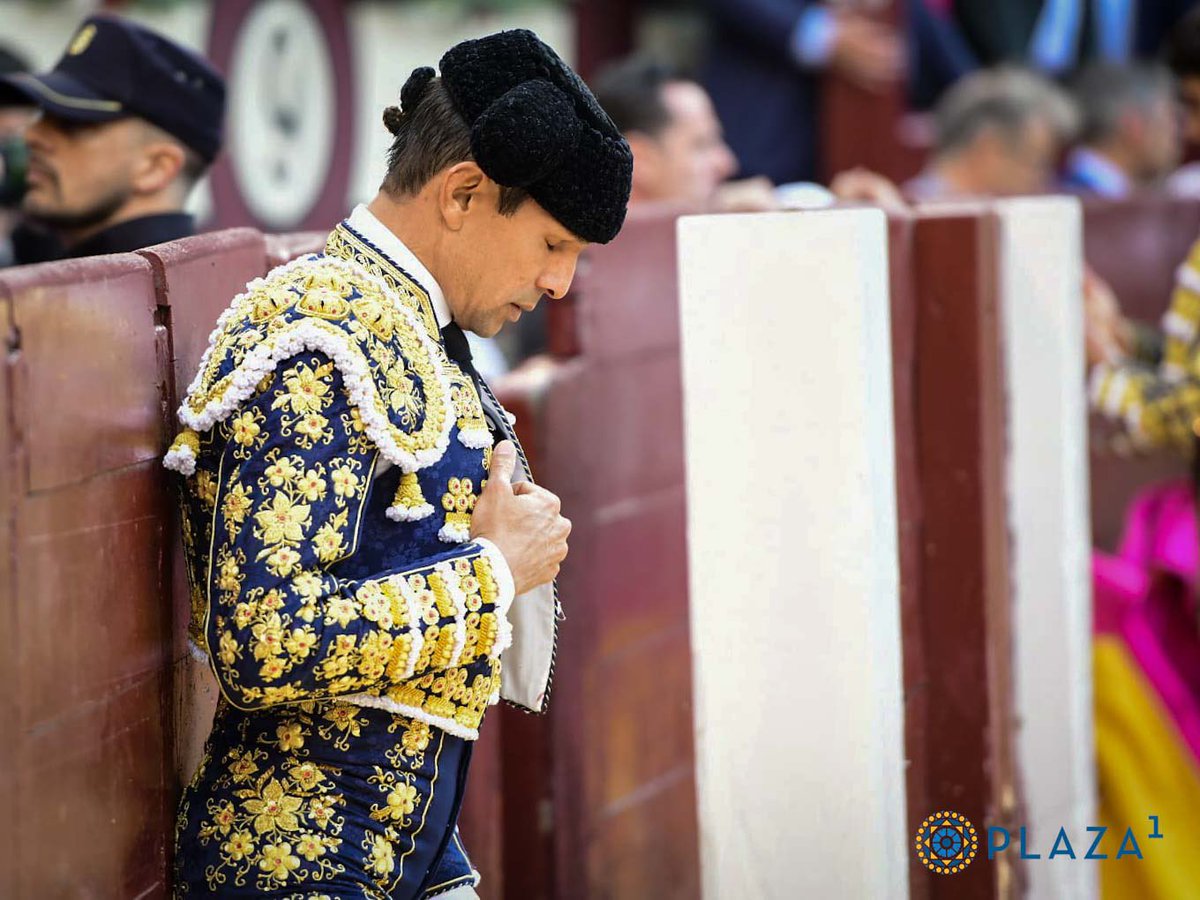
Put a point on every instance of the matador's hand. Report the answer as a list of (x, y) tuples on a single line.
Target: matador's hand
[(523, 521)]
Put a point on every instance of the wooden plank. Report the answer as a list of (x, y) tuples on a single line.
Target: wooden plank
[(965, 602), (599, 793), (90, 640), (902, 291), (794, 579), (12, 485)]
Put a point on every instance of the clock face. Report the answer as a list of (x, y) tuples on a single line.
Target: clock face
[(282, 116)]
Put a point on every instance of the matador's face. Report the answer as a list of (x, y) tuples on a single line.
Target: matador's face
[(505, 264)]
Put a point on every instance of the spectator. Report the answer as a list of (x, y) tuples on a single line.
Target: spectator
[(13, 121), (1129, 138), (1183, 56), (763, 73), (1055, 36), (129, 122), (998, 133), (679, 152)]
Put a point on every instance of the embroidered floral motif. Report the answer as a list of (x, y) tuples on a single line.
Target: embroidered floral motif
[(275, 829), (459, 503), (347, 245), (472, 426)]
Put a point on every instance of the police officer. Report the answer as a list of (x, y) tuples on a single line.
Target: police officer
[(129, 121)]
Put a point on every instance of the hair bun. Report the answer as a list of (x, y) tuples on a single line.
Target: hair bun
[(392, 117), (414, 88)]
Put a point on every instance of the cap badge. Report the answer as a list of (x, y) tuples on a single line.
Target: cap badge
[(82, 40)]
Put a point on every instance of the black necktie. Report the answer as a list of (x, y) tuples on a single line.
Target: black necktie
[(459, 351)]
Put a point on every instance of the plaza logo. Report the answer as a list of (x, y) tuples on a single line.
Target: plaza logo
[(946, 843)]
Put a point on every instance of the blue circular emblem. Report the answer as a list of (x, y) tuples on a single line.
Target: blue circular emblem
[(946, 843)]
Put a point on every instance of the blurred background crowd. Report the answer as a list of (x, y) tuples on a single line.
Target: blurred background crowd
[(734, 105)]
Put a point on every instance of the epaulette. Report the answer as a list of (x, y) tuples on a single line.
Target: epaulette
[(390, 364)]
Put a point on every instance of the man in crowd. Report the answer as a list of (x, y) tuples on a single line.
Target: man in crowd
[(13, 122), (353, 574), (679, 150), (129, 121), (765, 64), (680, 155), (1056, 36), (1128, 138), (998, 133)]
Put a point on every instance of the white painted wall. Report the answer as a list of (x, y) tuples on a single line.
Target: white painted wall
[(1041, 280), (793, 555)]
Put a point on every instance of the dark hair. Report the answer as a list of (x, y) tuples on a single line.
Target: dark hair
[(194, 166), (430, 137), (1104, 92), (631, 92), (1183, 46)]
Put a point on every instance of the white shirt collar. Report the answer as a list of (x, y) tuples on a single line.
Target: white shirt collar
[(368, 225)]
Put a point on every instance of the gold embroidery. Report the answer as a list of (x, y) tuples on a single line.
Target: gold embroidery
[(408, 392), (408, 493), (324, 304), (266, 304), (274, 820), (467, 407), (345, 244), (459, 503)]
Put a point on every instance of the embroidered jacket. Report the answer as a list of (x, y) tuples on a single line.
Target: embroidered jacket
[(333, 457), (1154, 398)]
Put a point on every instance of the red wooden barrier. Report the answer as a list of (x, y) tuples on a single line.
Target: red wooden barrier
[(87, 783), (10, 471), (608, 430), (963, 722), (98, 351), (1137, 244), (598, 798), (918, 669)]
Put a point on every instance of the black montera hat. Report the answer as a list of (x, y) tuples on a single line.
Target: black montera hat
[(114, 68), (535, 125)]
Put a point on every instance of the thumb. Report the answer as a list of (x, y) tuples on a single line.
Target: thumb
[(504, 461)]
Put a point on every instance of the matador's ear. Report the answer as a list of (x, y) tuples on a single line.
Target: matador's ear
[(526, 133)]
